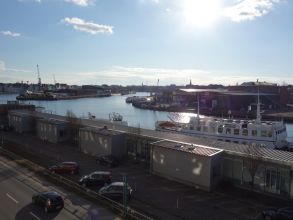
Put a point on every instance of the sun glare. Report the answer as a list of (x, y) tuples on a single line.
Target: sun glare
[(200, 13)]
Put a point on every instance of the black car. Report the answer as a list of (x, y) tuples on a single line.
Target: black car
[(97, 178), (107, 160), (116, 190), (278, 214), (50, 201)]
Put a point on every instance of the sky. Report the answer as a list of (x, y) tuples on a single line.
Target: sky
[(154, 42)]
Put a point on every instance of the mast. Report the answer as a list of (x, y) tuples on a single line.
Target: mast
[(39, 78), (258, 116), (198, 106)]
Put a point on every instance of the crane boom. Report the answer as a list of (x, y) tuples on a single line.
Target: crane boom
[(39, 78)]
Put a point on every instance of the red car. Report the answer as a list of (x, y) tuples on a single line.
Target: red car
[(65, 167)]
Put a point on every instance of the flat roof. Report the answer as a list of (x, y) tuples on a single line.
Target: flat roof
[(187, 147), (226, 92), (101, 130), (22, 112), (52, 121), (263, 153)]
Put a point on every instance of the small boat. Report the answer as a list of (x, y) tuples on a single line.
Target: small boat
[(115, 117)]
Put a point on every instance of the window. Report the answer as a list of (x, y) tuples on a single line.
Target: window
[(205, 128), (198, 128), (254, 132), (236, 131), (228, 130), (213, 129), (220, 129), (244, 132), (263, 133), (270, 133)]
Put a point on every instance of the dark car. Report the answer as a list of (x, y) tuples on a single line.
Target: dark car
[(278, 214), (116, 190), (50, 201), (97, 178), (107, 160), (65, 167)]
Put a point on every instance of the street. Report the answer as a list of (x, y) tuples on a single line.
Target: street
[(17, 185)]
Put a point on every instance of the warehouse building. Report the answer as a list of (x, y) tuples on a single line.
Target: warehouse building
[(191, 164), (52, 130), (102, 141), (21, 121)]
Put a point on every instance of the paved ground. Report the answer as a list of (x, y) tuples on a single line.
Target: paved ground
[(17, 185), (157, 196)]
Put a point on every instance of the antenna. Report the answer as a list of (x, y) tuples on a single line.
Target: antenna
[(39, 78), (54, 79), (258, 116), (197, 105)]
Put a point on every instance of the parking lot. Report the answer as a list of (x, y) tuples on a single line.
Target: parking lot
[(159, 197)]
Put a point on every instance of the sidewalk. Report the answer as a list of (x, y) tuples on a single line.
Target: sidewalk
[(153, 195)]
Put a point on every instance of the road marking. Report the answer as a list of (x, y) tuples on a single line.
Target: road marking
[(13, 199), (35, 216)]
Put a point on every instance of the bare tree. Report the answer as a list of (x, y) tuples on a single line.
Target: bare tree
[(252, 161), (74, 125)]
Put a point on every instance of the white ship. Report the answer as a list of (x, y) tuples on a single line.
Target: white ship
[(271, 134)]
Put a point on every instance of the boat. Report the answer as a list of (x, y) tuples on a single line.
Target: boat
[(29, 95), (115, 117), (271, 134)]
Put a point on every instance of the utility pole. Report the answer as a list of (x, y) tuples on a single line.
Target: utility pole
[(125, 194)]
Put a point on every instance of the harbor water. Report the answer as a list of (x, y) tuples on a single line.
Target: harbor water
[(102, 107)]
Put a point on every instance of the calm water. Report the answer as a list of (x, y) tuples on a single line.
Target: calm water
[(101, 107)]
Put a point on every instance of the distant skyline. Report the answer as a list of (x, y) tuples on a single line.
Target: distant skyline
[(130, 42)]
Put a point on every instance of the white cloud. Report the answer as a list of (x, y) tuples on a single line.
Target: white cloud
[(2, 66), (82, 3), (10, 34), (151, 1), (89, 27), (249, 9), (121, 75), (38, 1)]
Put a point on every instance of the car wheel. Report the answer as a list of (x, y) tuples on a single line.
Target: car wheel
[(267, 217), (46, 209)]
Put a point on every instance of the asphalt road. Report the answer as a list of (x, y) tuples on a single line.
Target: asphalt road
[(17, 185)]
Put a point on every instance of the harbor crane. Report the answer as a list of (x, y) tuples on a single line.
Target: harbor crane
[(39, 78)]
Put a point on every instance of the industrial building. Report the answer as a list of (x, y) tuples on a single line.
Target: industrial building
[(21, 121), (191, 164), (102, 141), (52, 130)]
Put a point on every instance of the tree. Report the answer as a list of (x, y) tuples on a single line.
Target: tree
[(252, 161), (74, 125)]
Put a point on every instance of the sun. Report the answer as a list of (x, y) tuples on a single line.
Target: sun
[(200, 13)]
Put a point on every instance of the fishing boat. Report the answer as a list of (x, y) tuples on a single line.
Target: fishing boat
[(271, 134)]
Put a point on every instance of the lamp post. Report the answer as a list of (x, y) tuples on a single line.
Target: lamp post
[(125, 194)]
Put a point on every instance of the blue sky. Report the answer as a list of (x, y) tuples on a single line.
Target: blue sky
[(128, 42)]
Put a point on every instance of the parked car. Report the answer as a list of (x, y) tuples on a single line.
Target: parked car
[(97, 178), (278, 214), (115, 190), (65, 167), (107, 160), (50, 201)]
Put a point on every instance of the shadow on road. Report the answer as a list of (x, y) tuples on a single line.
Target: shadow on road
[(28, 212)]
